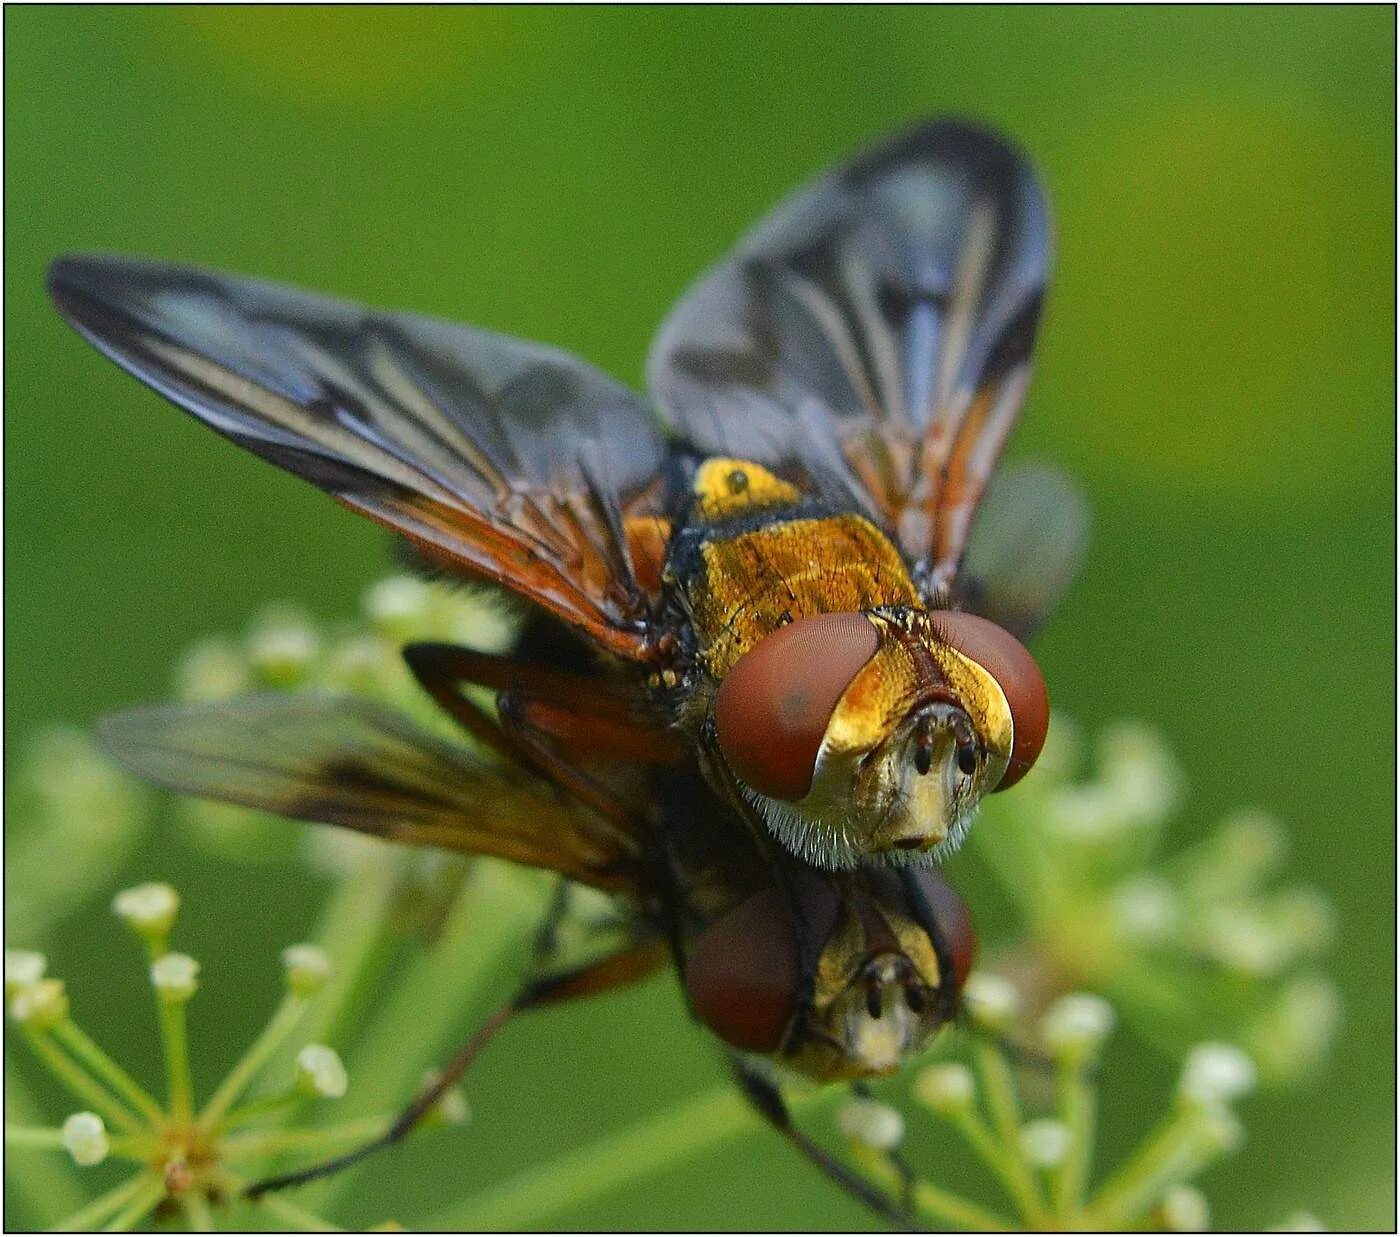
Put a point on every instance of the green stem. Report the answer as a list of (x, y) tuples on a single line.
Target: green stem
[(263, 1106), (274, 1142), (175, 1040), (197, 1210), (79, 1081), (143, 1202), (530, 1199), (940, 1205), (1076, 1103), (101, 1208), (1004, 1153), (28, 1136), (297, 1218), (1169, 1156), (82, 1046), (283, 1021)]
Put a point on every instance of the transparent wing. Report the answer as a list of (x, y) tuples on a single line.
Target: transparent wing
[(344, 761), (874, 333), (505, 459), (1025, 547)]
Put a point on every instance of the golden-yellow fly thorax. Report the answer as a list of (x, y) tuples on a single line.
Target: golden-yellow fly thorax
[(755, 577)]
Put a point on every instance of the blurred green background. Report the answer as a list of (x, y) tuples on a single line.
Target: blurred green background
[(1216, 368)]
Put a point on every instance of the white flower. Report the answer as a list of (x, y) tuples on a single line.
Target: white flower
[(992, 1001), (22, 967), (1139, 772), (871, 1124), (1076, 1024), (85, 1139), (1241, 938), (1146, 908), (41, 1005), (452, 1104), (307, 968), (321, 1073), (212, 669), (1216, 1074), (1300, 1222), (947, 1089), (175, 977), (1184, 1209), (282, 644), (397, 606), (1045, 1142), (148, 910)]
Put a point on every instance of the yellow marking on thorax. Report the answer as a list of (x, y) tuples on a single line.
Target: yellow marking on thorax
[(757, 581), (725, 487)]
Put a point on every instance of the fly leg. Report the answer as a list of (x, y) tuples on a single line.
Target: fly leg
[(768, 1102), (616, 970), (896, 1159)]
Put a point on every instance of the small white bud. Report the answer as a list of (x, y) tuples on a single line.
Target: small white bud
[(41, 1005), (871, 1124), (1077, 1024), (1253, 840), (1222, 1129), (991, 1001), (321, 1073), (1045, 1142), (1300, 1222), (175, 977), (212, 669), (282, 645), (1184, 1209), (23, 966), (85, 1139), (1146, 908), (1216, 1074), (307, 967), (1241, 938), (480, 621), (1306, 917), (148, 910), (363, 662), (1139, 772), (947, 1089), (397, 606)]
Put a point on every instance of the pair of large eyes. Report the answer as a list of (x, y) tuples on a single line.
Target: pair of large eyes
[(772, 709)]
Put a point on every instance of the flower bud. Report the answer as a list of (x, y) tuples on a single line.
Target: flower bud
[(1300, 1222), (397, 606), (307, 967), (991, 1001), (1216, 1074), (282, 645), (22, 967), (85, 1139), (947, 1089), (871, 1123), (1184, 1209), (41, 1005), (1045, 1142), (212, 669), (320, 1072), (1146, 908), (175, 977), (148, 910), (1076, 1025)]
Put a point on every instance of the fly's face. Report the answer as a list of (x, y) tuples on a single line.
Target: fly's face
[(892, 954), (876, 734)]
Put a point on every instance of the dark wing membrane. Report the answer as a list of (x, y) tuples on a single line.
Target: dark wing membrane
[(1025, 546), (874, 332), (507, 459), (343, 761)]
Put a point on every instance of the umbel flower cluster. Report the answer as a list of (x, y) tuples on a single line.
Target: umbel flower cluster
[(1198, 953)]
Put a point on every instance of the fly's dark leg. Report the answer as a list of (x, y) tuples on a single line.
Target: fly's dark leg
[(616, 970), (768, 1102), (896, 1159), (407, 1119)]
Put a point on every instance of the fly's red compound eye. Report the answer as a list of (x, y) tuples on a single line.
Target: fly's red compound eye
[(741, 975), (954, 924), (772, 710), (1009, 662)]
